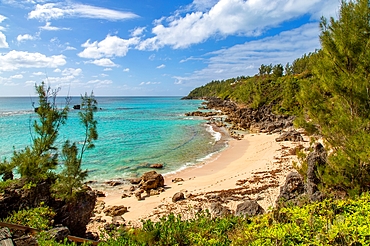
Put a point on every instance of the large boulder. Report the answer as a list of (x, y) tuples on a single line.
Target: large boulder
[(178, 197), (151, 180), (115, 210), (218, 210), (249, 208), (292, 188)]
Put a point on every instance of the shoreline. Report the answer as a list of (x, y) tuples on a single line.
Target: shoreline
[(256, 165)]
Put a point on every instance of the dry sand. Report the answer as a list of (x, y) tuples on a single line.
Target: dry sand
[(252, 168)]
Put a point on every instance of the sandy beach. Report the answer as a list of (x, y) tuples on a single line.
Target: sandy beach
[(252, 168)]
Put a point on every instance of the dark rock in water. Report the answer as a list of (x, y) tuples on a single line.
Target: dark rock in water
[(178, 197), (151, 180), (292, 136), (58, 233), (77, 106), (158, 165), (314, 159), (218, 210), (293, 188), (250, 208), (115, 210)]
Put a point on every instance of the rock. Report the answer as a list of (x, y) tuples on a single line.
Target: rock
[(292, 136), (218, 210), (314, 159), (292, 188), (118, 221), (25, 241), (151, 180), (138, 194), (135, 180), (132, 188), (178, 197), (115, 210), (124, 195), (5, 237), (99, 193), (113, 183), (176, 180), (249, 208), (156, 166), (58, 233), (154, 192)]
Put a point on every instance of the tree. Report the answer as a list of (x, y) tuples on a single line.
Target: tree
[(38, 162), (338, 100)]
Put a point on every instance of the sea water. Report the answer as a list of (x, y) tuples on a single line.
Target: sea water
[(134, 132)]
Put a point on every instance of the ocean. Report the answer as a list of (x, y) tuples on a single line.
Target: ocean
[(134, 132)]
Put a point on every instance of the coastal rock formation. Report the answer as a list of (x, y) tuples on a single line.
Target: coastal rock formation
[(292, 188), (218, 210), (158, 165), (314, 160), (176, 180), (178, 197), (151, 180), (75, 215), (292, 136), (249, 208), (58, 233), (115, 211)]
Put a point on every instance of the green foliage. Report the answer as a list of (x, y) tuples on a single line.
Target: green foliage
[(71, 179), (338, 102), (39, 218)]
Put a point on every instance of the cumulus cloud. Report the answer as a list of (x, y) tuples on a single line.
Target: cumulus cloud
[(137, 31), (109, 47), (104, 62), (50, 11), (231, 17), (72, 72), (126, 70), (17, 76), (161, 66), (14, 60), (24, 37)]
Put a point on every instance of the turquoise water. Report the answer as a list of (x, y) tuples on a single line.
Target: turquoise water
[(133, 132)]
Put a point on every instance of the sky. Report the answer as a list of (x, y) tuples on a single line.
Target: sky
[(149, 47)]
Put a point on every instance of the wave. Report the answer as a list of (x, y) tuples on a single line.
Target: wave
[(216, 135), (13, 113)]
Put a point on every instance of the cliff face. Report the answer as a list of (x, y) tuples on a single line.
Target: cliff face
[(75, 215)]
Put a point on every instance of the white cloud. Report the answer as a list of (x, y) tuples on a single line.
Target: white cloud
[(21, 38), (100, 83), (161, 66), (50, 11), (109, 47), (231, 17), (149, 83), (70, 48), (21, 59), (126, 70), (104, 62), (17, 76), (137, 31), (3, 43), (57, 70), (245, 59), (72, 72), (107, 69), (48, 27)]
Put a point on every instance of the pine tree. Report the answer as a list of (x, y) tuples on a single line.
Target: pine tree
[(338, 100)]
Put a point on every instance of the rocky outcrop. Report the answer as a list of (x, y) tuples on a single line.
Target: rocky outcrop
[(158, 166), (216, 209), (75, 215), (249, 208), (115, 211), (292, 188), (151, 180), (292, 136), (315, 159), (178, 197)]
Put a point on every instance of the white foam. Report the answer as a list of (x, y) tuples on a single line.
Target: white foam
[(216, 135)]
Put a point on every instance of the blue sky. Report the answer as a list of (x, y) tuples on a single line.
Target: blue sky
[(149, 47)]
